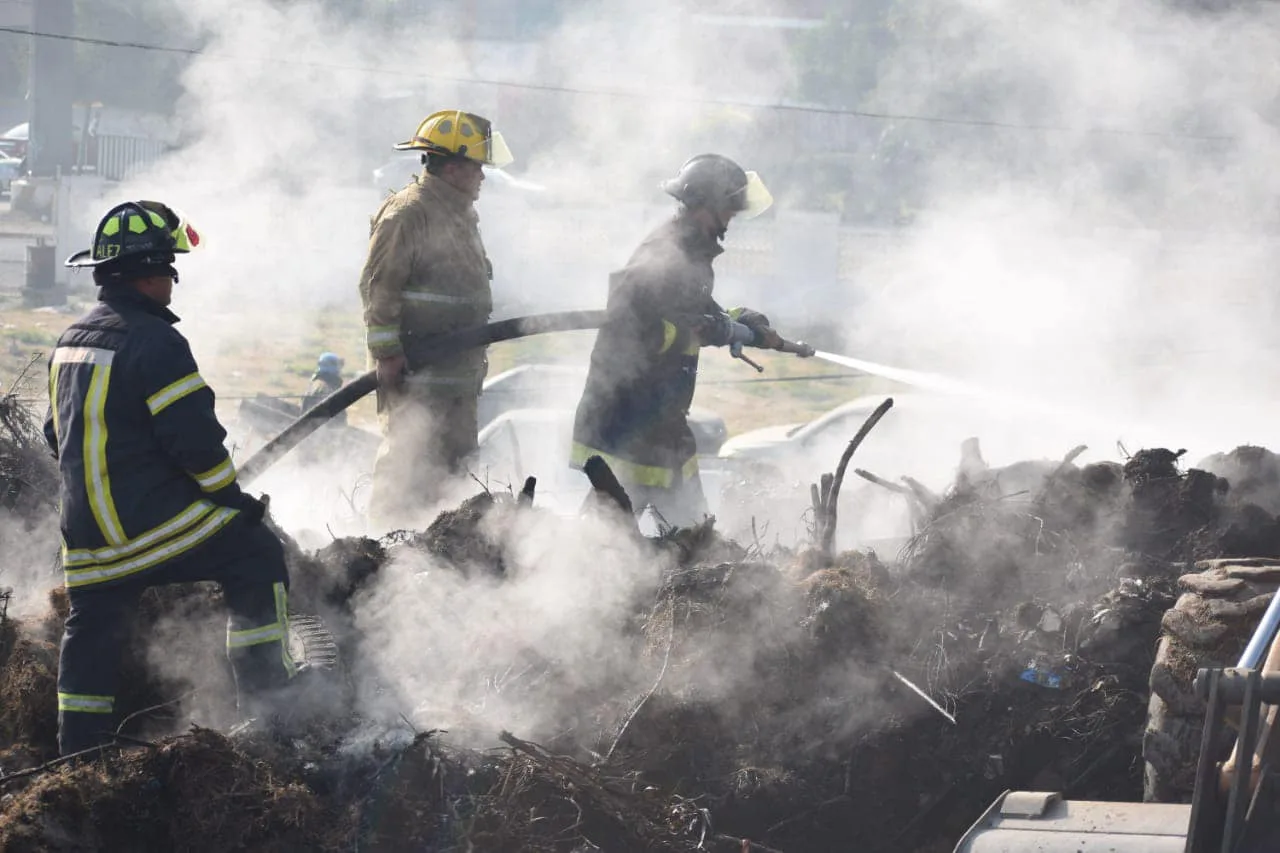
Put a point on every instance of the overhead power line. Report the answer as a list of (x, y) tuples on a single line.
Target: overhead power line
[(620, 93)]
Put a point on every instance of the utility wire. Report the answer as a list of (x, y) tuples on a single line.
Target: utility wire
[(619, 93)]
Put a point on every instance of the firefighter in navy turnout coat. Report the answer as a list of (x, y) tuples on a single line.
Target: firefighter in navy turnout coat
[(149, 493), (660, 312)]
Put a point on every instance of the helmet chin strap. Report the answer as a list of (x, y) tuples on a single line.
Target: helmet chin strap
[(715, 222), (723, 218)]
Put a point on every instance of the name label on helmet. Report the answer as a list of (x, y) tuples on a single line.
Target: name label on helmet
[(104, 251)]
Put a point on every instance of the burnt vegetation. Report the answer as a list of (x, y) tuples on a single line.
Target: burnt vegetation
[(774, 701)]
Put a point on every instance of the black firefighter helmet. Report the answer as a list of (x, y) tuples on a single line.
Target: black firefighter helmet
[(716, 182), (138, 237)]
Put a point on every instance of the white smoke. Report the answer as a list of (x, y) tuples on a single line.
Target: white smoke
[(1119, 261), (283, 118), (1123, 273)]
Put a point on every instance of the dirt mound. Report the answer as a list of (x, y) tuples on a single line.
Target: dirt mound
[(818, 745), (197, 792), (1253, 472), (991, 545), (28, 685), (1075, 531), (799, 701), (461, 536)]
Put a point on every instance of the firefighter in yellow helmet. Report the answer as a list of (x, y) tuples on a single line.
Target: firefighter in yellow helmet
[(427, 274)]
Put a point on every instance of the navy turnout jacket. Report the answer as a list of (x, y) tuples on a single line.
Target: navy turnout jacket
[(145, 475)]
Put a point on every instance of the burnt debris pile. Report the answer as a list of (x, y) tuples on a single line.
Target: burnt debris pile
[(773, 700)]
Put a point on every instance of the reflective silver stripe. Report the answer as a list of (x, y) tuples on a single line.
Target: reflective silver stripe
[(174, 392), (217, 477), (175, 525), (441, 298), (215, 522), (255, 636), (82, 355), (382, 337)]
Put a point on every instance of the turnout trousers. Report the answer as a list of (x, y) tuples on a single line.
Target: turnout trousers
[(246, 560), (428, 436)]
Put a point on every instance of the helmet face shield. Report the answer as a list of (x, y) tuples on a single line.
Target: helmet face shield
[(754, 199), (714, 181), (494, 151), (454, 133)]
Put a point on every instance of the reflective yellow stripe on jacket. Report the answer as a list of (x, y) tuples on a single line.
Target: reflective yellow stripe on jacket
[(96, 476), (145, 559), (218, 477), (154, 536), (173, 392), (643, 475), (381, 336), (669, 332), (440, 298), (85, 703)]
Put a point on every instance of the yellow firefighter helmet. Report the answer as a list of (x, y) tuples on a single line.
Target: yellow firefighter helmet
[(454, 133)]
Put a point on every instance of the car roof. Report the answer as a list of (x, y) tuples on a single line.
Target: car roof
[(864, 406), (556, 375)]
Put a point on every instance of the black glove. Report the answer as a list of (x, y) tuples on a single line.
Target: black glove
[(747, 317), (765, 336), (719, 330), (252, 509)]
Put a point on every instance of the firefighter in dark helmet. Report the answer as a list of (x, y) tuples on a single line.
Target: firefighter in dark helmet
[(660, 313), (149, 493)]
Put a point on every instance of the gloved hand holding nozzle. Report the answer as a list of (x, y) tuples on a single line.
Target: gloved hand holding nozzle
[(722, 330), (765, 335)]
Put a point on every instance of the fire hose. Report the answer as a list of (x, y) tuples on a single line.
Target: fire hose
[(426, 352)]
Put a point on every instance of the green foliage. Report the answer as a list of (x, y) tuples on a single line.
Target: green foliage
[(838, 62), (129, 78)]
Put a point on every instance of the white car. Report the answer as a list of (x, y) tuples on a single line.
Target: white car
[(523, 443), (9, 172), (921, 437), (559, 386)]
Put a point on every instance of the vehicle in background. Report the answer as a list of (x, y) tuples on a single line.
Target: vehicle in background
[(920, 437), (535, 442), (926, 436), (13, 142), (10, 171), (557, 386)]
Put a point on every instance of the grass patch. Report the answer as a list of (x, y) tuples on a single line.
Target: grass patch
[(249, 356)]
